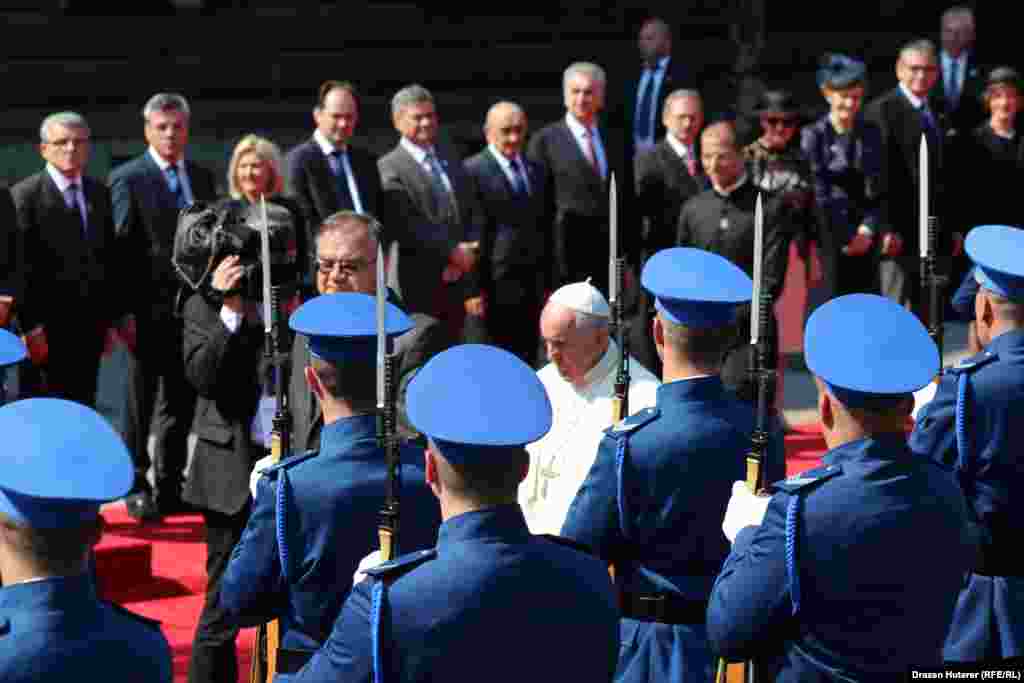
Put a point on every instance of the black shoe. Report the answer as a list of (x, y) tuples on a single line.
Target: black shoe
[(141, 507)]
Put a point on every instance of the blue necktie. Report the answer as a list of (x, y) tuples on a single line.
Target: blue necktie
[(341, 178), (519, 185), (443, 196), (929, 125), (642, 125), (174, 184), (76, 207)]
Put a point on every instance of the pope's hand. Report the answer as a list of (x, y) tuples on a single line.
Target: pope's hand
[(745, 509), (368, 562), (257, 472)]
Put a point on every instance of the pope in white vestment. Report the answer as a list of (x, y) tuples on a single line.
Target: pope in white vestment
[(581, 404)]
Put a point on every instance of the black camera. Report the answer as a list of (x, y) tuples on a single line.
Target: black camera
[(207, 233)]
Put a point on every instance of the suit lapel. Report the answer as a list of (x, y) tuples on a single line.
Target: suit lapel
[(420, 180), (571, 150), (162, 195)]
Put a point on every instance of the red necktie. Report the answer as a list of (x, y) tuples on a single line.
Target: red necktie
[(591, 152)]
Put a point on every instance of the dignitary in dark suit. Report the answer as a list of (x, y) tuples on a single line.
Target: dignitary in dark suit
[(434, 615), (321, 510), (579, 158), (831, 578), (512, 193), (327, 173), (902, 115), (667, 175), (845, 154), (434, 223), (972, 426), (72, 269), (345, 259), (148, 192), (660, 75), (223, 346), (721, 220), (55, 628), (962, 79), (652, 502)]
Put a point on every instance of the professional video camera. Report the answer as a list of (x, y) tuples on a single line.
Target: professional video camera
[(207, 233)]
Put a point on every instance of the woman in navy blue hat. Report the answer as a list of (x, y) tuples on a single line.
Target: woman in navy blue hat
[(845, 154)]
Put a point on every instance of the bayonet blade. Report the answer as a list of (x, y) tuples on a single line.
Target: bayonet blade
[(381, 336), (613, 247), (923, 196), (265, 253), (755, 299)]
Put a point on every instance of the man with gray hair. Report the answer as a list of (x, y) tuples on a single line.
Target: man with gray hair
[(148, 192), (436, 223), (73, 281), (961, 81), (581, 158), (580, 382)]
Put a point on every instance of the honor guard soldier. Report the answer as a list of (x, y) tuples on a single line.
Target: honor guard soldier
[(12, 351), (490, 601), (849, 572), (975, 425), (315, 515), (654, 498), (61, 461)]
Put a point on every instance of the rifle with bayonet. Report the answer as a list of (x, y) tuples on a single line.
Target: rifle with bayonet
[(931, 277), (617, 330), (276, 351), (386, 437), (764, 379)]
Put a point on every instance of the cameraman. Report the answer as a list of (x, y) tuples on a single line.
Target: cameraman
[(223, 345)]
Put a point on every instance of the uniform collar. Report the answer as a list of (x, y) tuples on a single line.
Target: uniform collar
[(691, 389), (500, 521), (1014, 339), (51, 592), (346, 430), (880, 447)]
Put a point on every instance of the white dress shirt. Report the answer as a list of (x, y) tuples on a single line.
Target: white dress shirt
[(506, 167), (562, 459), (327, 147), (578, 130), (420, 155), (186, 187), (685, 152), (63, 183)]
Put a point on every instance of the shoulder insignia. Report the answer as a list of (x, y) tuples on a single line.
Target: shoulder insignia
[(146, 621), (974, 362), (805, 479), (568, 542), (291, 460), (401, 564), (634, 421)]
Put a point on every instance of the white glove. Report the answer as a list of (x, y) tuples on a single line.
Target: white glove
[(368, 562), (745, 509), (257, 472)]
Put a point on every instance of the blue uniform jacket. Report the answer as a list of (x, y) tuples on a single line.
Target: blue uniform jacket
[(679, 465), (328, 518), (491, 603), (853, 573), (57, 630), (989, 618)]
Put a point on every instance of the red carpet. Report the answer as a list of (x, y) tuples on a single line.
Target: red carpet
[(159, 572)]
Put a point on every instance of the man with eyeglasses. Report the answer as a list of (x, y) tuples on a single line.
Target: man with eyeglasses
[(345, 260), (69, 298), (903, 114)]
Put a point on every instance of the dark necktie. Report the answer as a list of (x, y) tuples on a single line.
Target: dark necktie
[(174, 184), (642, 125), (76, 207), (341, 179), (691, 162), (519, 185), (441, 193), (929, 126)]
